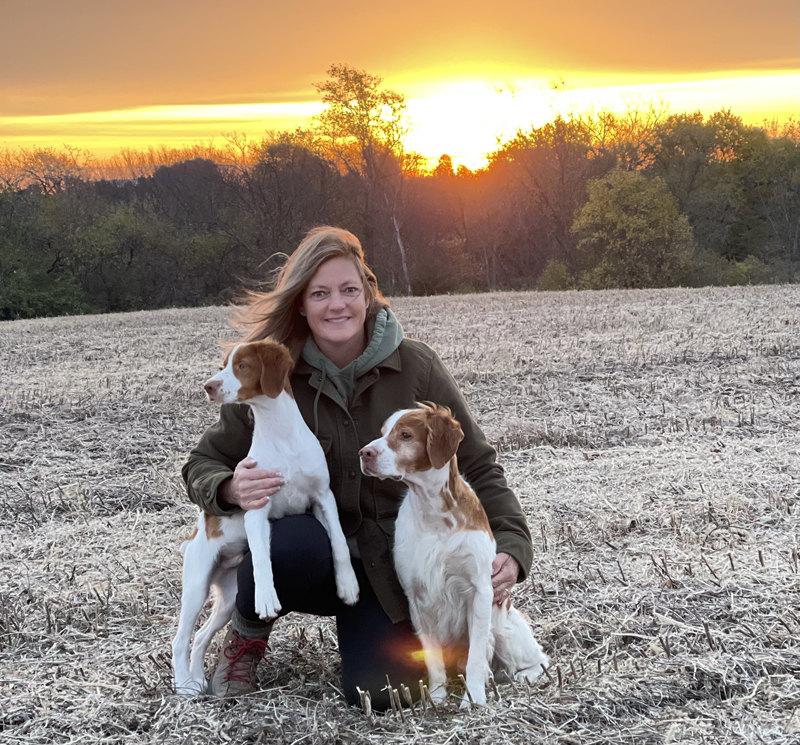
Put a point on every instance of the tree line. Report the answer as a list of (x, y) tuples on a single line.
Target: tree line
[(592, 200)]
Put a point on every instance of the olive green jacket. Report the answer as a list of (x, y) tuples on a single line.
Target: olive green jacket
[(367, 506)]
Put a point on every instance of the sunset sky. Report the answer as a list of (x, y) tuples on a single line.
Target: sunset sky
[(105, 74)]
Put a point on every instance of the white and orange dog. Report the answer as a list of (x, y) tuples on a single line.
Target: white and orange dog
[(443, 555), (255, 373)]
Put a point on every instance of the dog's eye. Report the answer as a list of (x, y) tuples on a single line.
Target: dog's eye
[(405, 435), (242, 366)]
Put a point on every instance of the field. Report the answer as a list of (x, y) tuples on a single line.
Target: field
[(653, 438)]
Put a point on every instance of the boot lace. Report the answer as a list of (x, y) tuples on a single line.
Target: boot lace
[(243, 654)]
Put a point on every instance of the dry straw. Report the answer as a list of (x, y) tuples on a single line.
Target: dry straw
[(653, 439)]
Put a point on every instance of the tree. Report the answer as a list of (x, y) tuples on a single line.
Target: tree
[(362, 130), (632, 233), (552, 165), (33, 281), (770, 176), (46, 169), (697, 160)]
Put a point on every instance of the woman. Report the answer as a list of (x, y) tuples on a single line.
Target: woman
[(353, 370)]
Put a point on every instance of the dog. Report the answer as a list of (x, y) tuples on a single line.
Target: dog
[(443, 554), (257, 374)]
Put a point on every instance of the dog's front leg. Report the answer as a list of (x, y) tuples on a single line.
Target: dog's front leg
[(434, 661), (480, 645), (257, 527), (324, 509)]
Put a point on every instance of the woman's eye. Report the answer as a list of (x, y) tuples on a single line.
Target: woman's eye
[(352, 290), (318, 295)]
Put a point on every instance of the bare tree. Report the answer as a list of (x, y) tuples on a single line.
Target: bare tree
[(362, 131)]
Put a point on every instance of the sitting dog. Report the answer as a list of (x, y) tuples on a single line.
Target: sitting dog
[(255, 373), (443, 554)]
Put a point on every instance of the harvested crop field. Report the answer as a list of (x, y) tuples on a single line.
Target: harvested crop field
[(653, 438)]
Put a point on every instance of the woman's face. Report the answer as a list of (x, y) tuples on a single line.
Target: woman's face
[(335, 306)]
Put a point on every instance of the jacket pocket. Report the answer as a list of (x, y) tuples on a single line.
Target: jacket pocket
[(388, 528)]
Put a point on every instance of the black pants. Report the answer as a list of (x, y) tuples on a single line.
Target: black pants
[(371, 646)]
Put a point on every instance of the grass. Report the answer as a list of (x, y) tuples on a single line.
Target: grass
[(653, 438)]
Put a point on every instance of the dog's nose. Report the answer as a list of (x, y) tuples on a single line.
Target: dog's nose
[(212, 387), (368, 453)]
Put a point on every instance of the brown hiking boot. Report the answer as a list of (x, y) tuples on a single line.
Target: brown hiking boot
[(236, 667)]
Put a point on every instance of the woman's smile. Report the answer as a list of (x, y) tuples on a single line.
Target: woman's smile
[(335, 306)]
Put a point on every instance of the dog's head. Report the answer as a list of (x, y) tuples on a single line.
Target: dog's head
[(413, 441), (258, 368)]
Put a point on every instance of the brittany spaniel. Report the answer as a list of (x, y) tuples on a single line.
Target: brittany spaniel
[(443, 555), (257, 374)]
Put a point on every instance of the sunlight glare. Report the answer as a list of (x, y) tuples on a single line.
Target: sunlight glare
[(464, 118)]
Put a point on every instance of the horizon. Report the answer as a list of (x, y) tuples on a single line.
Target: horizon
[(103, 78), (465, 120)]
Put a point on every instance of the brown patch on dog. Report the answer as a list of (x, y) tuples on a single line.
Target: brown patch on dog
[(447, 500), (262, 368), (469, 513), (408, 440), (276, 364), (213, 526), (444, 434), (246, 366), (425, 438)]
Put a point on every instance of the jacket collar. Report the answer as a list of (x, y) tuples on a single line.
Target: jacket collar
[(392, 362)]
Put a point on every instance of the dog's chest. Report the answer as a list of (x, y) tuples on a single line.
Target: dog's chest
[(300, 460), (298, 454), (439, 568)]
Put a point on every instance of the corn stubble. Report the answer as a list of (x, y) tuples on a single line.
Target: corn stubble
[(653, 438)]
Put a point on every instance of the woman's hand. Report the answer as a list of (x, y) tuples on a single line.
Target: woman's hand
[(505, 571), (251, 487)]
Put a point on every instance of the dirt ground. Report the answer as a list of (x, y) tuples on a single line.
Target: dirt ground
[(653, 438)]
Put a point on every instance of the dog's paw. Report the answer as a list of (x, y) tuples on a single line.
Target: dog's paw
[(190, 686), (347, 588), (478, 693), (529, 674), (438, 694), (267, 605), (476, 701)]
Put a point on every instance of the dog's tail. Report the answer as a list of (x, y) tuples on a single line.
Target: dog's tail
[(516, 649)]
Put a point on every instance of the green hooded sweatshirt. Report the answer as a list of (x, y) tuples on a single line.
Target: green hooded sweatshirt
[(387, 333)]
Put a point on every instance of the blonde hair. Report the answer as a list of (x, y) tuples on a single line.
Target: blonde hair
[(276, 314)]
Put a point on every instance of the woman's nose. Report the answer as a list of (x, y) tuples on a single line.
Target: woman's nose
[(338, 300)]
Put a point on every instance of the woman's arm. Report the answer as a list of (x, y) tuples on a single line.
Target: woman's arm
[(208, 473), (477, 461), (220, 476)]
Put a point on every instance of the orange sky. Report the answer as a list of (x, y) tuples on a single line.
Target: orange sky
[(453, 61)]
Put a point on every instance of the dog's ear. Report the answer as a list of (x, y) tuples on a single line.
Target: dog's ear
[(276, 364), (444, 435)]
